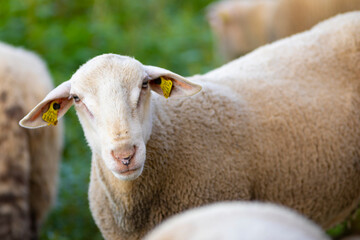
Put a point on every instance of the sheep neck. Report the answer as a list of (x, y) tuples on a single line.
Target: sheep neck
[(115, 190), (126, 199)]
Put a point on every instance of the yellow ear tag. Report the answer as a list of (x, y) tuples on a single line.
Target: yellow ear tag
[(166, 86), (51, 115)]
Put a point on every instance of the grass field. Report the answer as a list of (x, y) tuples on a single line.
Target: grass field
[(168, 33)]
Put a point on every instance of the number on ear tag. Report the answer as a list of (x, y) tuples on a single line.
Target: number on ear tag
[(166, 86), (50, 116)]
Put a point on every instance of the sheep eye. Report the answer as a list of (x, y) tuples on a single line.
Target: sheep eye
[(76, 98), (145, 84)]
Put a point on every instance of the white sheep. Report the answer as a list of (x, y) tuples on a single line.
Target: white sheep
[(28, 159), (243, 25), (238, 220), (278, 125)]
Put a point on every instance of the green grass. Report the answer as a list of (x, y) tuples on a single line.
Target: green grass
[(168, 33)]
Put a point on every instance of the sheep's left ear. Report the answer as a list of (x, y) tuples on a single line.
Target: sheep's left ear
[(49, 110), (169, 84)]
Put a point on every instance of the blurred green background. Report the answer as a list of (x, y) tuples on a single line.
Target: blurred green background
[(172, 34)]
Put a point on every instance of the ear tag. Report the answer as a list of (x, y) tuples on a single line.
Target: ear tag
[(51, 115), (166, 86)]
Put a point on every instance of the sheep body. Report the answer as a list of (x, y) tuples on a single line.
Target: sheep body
[(28, 159), (241, 26), (278, 125), (234, 220), (287, 114)]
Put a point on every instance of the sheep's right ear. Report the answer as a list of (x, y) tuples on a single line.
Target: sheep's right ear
[(58, 100)]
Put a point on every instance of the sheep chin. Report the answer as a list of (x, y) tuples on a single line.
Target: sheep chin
[(128, 176)]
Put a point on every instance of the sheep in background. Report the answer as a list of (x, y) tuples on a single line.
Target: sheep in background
[(355, 237), (240, 26), (28, 159), (238, 220), (280, 124), (243, 25)]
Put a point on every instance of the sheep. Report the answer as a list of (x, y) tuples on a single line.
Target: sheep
[(278, 125), (241, 26), (238, 220), (355, 237), (28, 159)]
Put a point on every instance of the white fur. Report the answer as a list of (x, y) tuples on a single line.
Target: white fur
[(238, 220)]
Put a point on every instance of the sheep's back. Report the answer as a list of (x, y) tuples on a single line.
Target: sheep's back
[(280, 125)]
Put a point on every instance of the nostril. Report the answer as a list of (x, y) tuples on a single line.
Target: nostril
[(123, 156), (125, 161)]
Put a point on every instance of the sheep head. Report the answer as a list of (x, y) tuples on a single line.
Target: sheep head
[(111, 94), (241, 26)]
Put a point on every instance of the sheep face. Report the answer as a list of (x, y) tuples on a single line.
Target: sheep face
[(112, 100), (111, 94)]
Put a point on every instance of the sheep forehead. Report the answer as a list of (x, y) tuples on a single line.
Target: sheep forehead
[(108, 72)]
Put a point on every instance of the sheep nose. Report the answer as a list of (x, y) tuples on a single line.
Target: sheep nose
[(123, 156)]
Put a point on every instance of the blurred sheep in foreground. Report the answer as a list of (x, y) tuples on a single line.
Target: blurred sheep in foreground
[(238, 220), (28, 159), (243, 25)]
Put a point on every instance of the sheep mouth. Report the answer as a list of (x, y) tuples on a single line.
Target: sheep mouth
[(129, 171), (128, 174)]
